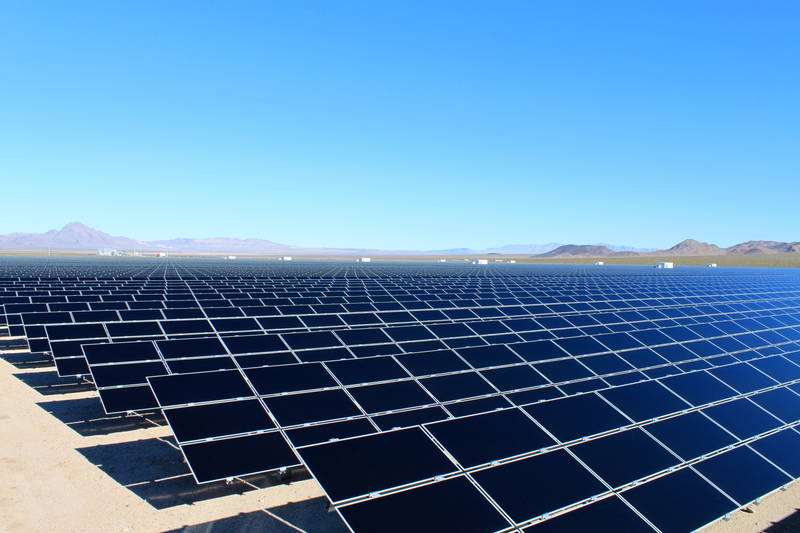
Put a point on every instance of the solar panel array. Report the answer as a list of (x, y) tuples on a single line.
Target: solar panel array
[(482, 398)]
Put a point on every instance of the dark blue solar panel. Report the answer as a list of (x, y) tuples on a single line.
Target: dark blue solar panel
[(742, 474), (567, 482), (335, 352), (472, 440), (690, 435)]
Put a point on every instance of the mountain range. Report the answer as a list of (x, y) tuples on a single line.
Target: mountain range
[(77, 236), (535, 249), (688, 247)]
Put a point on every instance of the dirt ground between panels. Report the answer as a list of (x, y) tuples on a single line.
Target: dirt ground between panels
[(777, 513), (66, 467)]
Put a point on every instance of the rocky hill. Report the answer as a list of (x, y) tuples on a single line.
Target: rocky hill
[(73, 236), (691, 247), (688, 247), (584, 250), (764, 247), (77, 236)]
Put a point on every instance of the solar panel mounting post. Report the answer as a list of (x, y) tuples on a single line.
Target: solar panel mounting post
[(284, 474)]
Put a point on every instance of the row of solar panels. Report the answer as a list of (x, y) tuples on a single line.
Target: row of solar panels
[(594, 322), (206, 353), (520, 433), (742, 399), (297, 287), (668, 319), (381, 341), (112, 330), (543, 285), (65, 349), (186, 269), (544, 288), (148, 301), (564, 360), (317, 393), (444, 299), (400, 496), (40, 314)]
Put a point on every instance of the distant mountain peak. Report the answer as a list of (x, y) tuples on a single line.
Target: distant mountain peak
[(73, 236), (76, 226), (583, 250), (694, 247)]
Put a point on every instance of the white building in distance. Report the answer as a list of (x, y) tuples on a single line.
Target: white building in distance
[(665, 264)]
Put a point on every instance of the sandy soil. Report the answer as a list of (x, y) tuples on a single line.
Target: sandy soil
[(783, 260), (777, 513), (66, 467)]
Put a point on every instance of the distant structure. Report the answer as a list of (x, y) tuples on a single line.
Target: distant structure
[(665, 264), (712, 265), (286, 258), (599, 263), (512, 261), (481, 262), (161, 254), (108, 252), (230, 257), (364, 260), (443, 260)]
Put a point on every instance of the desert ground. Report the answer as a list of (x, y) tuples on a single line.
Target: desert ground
[(67, 467), (781, 260)]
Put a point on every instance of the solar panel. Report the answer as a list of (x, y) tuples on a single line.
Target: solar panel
[(446, 386)]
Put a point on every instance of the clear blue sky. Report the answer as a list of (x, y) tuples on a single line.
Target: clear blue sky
[(414, 125)]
